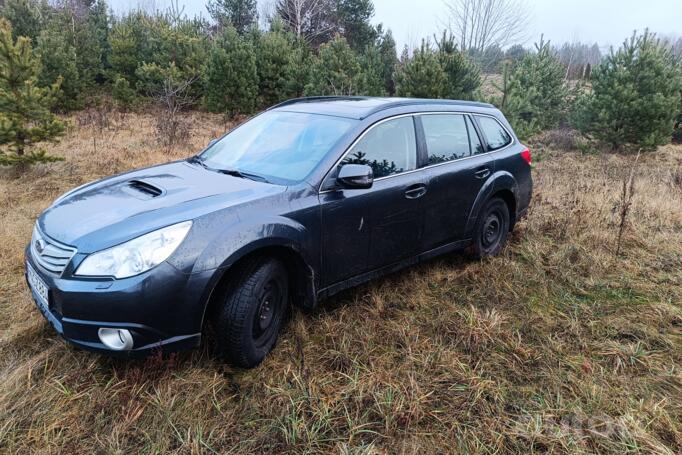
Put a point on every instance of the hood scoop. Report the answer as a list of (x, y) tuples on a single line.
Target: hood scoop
[(142, 190)]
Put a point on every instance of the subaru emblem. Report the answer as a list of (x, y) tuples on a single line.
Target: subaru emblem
[(40, 245)]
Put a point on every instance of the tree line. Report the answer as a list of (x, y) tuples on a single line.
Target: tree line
[(58, 55)]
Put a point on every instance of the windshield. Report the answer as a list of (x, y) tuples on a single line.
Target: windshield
[(280, 147)]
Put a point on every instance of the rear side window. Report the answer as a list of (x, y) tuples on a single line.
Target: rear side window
[(389, 148), (447, 137), (496, 135)]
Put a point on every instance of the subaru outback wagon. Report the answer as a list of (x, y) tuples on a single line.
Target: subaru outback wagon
[(306, 199)]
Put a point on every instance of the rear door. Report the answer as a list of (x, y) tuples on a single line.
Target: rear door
[(365, 229), (456, 169)]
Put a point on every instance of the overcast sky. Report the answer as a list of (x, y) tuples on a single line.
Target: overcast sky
[(607, 22)]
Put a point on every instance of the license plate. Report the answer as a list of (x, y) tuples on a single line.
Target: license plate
[(38, 287)]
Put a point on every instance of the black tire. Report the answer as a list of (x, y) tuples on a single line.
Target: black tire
[(249, 320), (492, 227)]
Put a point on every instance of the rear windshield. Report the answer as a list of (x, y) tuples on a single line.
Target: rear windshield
[(282, 147)]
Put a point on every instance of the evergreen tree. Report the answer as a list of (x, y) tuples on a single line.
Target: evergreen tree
[(274, 60), (241, 14), (125, 51), (388, 58), (336, 71), (635, 95), (373, 83), (353, 21), (25, 17), (300, 68), (58, 60), (231, 76), (421, 76), (534, 98), (462, 76), (25, 117), (124, 95)]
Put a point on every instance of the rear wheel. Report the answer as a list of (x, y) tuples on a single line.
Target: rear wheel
[(249, 320), (492, 227)]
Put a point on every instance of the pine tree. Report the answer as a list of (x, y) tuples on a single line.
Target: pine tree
[(58, 60), (299, 70), (123, 93), (25, 117), (535, 92), (388, 58), (353, 20), (25, 17), (373, 83), (230, 76), (274, 60), (635, 95), (421, 76), (241, 14), (463, 77), (336, 71)]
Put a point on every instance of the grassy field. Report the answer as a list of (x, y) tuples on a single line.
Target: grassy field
[(559, 345)]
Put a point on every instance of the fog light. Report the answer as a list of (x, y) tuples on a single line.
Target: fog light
[(116, 339)]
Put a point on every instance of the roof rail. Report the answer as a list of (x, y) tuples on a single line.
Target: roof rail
[(311, 99)]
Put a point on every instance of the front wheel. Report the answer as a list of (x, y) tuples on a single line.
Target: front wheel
[(249, 320), (492, 227)]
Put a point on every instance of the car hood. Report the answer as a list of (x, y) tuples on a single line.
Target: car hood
[(110, 211)]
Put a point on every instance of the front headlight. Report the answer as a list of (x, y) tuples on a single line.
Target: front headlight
[(137, 255)]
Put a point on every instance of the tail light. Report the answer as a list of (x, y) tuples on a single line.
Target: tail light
[(527, 156)]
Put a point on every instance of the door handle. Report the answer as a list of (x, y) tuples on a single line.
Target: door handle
[(415, 191), (482, 173)]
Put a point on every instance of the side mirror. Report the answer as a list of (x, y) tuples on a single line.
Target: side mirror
[(355, 176)]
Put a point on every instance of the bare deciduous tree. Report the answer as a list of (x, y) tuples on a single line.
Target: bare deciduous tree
[(479, 24), (173, 97), (309, 19)]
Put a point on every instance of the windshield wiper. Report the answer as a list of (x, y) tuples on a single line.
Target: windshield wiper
[(242, 174), (229, 171)]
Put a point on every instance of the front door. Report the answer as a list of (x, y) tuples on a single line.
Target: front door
[(366, 229)]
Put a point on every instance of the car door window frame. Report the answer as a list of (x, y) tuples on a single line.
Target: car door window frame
[(324, 187), (464, 116), (484, 138), (422, 152)]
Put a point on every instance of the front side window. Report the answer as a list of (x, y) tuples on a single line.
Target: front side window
[(282, 147), (389, 148), (496, 135), (447, 137)]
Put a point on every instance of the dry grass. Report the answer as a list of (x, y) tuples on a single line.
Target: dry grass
[(557, 346)]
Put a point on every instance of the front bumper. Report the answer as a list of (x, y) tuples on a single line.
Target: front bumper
[(162, 308)]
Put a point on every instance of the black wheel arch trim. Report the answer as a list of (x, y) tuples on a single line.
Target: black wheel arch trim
[(500, 181)]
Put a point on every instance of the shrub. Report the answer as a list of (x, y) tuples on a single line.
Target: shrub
[(231, 77), (25, 117), (124, 95), (635, 96), (535, 92)]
